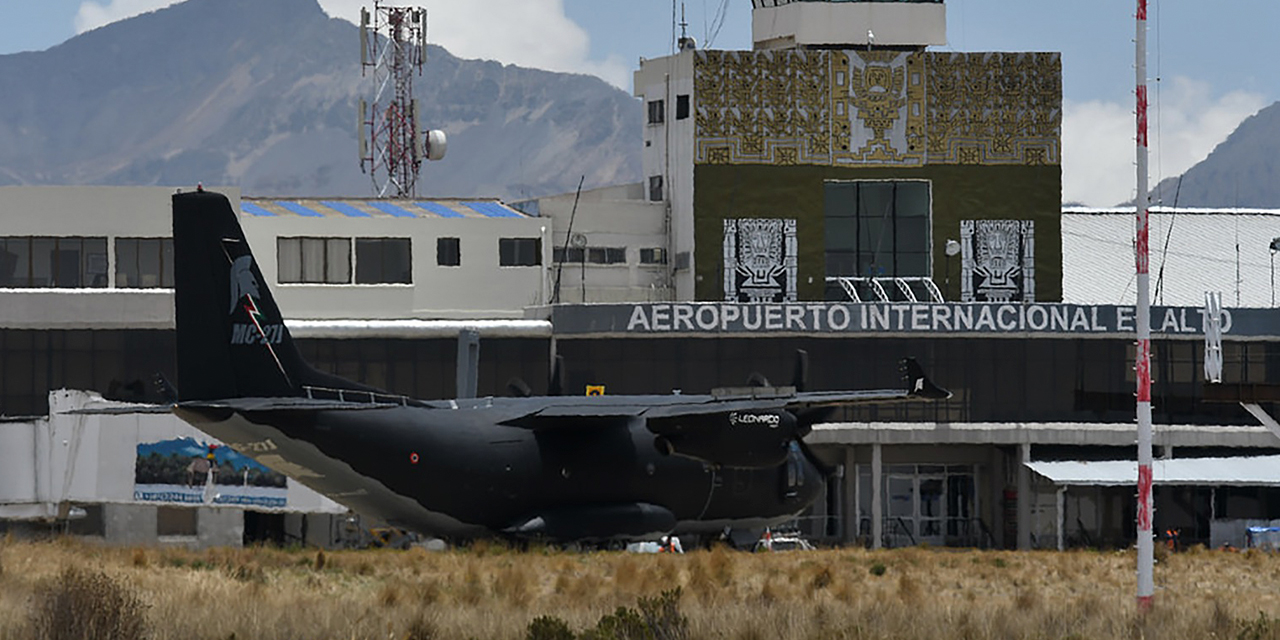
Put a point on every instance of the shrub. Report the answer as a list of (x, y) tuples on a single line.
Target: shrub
[(84, 605), (548, 628), (878, 569)]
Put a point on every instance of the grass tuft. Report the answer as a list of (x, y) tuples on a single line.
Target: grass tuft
[(87, 605)]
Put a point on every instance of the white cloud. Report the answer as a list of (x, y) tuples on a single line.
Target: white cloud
[(529, 33), (93, 14), (1186, 122)]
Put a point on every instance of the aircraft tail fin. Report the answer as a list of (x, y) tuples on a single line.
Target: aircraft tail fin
[(232, 340)]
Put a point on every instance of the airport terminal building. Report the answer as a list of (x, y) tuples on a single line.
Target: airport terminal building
[(873, 201)]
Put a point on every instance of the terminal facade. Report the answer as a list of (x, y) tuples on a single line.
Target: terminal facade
[(862, 199)]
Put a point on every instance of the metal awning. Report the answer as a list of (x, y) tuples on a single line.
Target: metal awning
[(1259, 471)]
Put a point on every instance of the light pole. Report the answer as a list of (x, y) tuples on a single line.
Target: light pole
[(953, 248), (1275, 246)]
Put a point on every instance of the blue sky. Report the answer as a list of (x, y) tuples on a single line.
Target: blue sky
[(1214, 61)]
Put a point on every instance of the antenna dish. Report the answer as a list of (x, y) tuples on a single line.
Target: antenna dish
[(687, 43), (578, 240), (437, 144)]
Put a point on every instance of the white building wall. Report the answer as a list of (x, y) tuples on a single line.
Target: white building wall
[(478, 288), (849, 23), (619, 216), (669, 152), (90, 458)]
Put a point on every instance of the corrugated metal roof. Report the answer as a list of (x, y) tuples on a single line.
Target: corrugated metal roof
[(1192, 251), (1242, 471), (357, 208)]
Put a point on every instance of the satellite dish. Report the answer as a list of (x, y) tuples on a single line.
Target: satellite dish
[(953, 247), (437, 144), (578, 240)]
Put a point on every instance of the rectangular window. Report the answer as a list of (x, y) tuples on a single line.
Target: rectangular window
[(384, 261), (657, 111), (607, 255), (655, 188), (176, 521), (313, 260), (572, 254), (682, 107), (144, 263), (63, 262), (877, 228), (653, 256), (449, 252), (519, 252)]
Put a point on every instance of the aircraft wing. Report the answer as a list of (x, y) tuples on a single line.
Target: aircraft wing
[(596, 412), (283, 404)]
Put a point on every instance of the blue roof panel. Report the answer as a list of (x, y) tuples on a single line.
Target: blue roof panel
[(345, 209), (439, 209), (299, 209), (391, 209), (491, 210), (253, 209)]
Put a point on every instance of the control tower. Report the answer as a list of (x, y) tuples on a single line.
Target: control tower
[(828, 24)]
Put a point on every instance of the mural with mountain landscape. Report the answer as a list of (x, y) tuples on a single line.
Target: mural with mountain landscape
[(191, 471)]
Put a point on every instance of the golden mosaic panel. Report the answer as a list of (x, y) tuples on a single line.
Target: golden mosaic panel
[(867, 108), (767, 107), (994, 108)]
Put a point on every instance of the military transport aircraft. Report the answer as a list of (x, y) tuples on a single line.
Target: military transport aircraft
[(558, 468)]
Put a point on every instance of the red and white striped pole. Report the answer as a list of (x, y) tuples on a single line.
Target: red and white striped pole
[(1146, 542)]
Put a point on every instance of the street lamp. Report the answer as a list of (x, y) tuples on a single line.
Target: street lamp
[(1275, 246), (953, 248)]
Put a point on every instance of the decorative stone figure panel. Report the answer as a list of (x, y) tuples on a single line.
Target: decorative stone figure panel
[(997, 261), (882, 118), (760, 260)]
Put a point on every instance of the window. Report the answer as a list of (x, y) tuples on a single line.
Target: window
[(682, 107), (448, 252), (655, 188), (314, 260), (877, 228), (65, 262), (607, 255), (653, 256), (572, 254), (657, 111), (176, 521), (519, 252), (144, 263), (384, 261)]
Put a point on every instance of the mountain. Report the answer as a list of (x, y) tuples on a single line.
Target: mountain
[(1243, 171), (263, 94)]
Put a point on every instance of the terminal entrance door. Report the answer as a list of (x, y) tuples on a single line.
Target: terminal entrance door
[(923, 504)]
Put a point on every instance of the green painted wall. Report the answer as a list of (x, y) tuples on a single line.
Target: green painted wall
[(960, 192)]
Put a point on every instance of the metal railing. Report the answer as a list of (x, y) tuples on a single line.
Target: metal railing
[(907, 289), (358, 396)]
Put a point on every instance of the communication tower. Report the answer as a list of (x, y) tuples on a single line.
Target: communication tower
[(393, 144)]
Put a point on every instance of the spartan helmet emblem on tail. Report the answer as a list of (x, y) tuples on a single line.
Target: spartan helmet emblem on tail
[(242, 281)]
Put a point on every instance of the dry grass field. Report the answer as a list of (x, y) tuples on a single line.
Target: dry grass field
[(48, 588)]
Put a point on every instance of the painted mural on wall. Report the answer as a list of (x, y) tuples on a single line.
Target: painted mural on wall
[(760, 260), (997, 261), (865, 108), (190, 471)]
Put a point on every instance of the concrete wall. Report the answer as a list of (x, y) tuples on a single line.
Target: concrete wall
[(618, 216), (668, 152), (849, 23), (478, 288)]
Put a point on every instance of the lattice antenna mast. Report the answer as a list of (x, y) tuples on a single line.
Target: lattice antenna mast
[(393, 48)]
